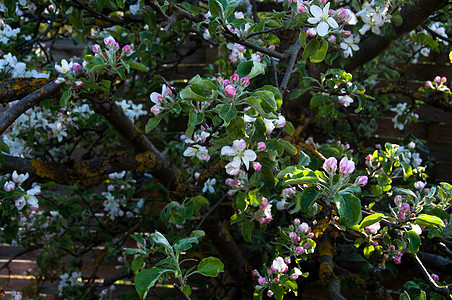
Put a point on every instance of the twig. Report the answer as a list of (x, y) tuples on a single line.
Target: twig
[(255, 16), (435, 34), (275, 72), (443, 290), (204, 217), (290, 65), (186, 297)]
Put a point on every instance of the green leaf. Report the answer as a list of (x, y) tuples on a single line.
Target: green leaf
[(65, 98), (276, 146), (145, 280), (349, 209), (236, 128), (210, 266), (308, 197), (289, 128), (404, 296), (358, 242), (11, 231), (76, 18), (120, 3), (152, 123), (429, 221), (11, 6), (247, 228), (302, 38), (368, 250), (185, 244), (137, 66), (137, 263), (312, 48), (161, 239), (414, 241), (370, 220), (227, 112), (254, 103), (304, 159), (195, 118), (216, 9), (397, 20), (319, 56), (250, 69), (288, 146)]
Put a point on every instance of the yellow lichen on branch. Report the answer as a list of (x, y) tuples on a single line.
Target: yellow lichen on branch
[(147, 162), (17, 88)]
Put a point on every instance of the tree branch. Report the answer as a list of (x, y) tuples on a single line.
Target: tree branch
[(443, 290), (413, 14), (290, 65), (39, 93)]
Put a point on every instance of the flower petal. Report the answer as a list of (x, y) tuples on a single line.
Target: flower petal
[(332, 22), (316, 11), (322, 28), (228, 151)]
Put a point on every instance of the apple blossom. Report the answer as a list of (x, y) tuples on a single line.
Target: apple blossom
[(361, 180), (244, 81), (279, 265), (96, 48), (65, 67), (373, 229), (9, 186), (261, 146), (238, 151), (296, 273), (257, 166), (346, 166), (208, 185), (261, 280), (405, 207), (419, 185), (330, 165), (345, 100), (126, 49), (435, 277), (322, 18)]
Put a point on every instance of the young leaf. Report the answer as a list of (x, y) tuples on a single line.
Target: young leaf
[(210, 266), (145, 280), (137, 66), (369, 220)]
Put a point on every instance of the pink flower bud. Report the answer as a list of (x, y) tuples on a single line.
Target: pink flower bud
[(96, 48), (109, 41), (347, 34), (220, 80), (405, 207), (332, 39), (276, 280), (234, 78), (300, 250), (443, 79), (76, 67), (296, 221), (419, 185), (230, 91), (226, 82), (270, 293), (261, 146), (79, 83), (361, 180), (261, 280), (437, 80), (398, 199), (229, 181), (311, 235), (257, 166), (301, 8), (245, 81), (126, 49), (322, 2), (401, 216), (311, 32), (254, 272), (435, 277), (428, 84), (156, 109), (272, 47), (346, 166), (9, 186), (262, 220), (330, 165), (307, 246)]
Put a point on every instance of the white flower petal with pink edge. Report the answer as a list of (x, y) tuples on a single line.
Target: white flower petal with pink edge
[(248, 155)]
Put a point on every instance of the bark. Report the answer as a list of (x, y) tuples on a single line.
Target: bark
[(413, 15)]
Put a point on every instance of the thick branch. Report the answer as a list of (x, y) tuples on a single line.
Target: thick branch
[(71, 171), (413, 15), (39, 93)]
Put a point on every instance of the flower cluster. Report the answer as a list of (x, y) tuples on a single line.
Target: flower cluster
[(233, 87), (240, 155), (28, 197), (374, 17), (403, 115), (194, 149), (69, 281), (7, 33), (162, 100), (438, 84), (133, 111), (110, 55)]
